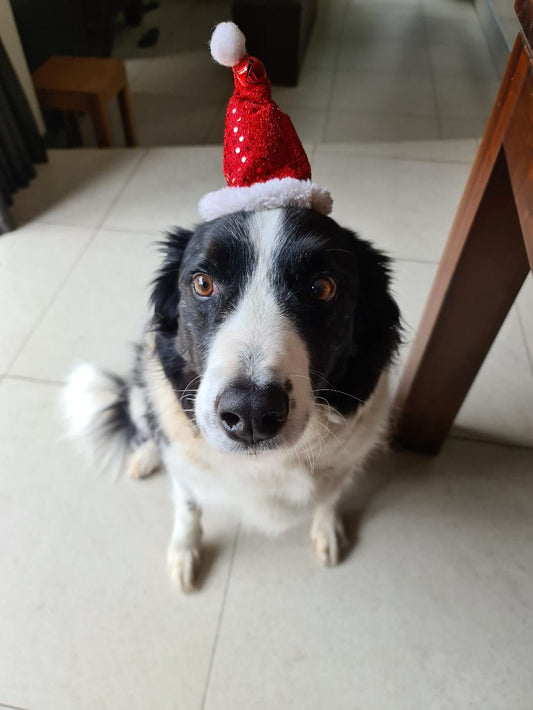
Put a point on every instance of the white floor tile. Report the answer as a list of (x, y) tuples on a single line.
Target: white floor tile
[(511, 27), (166, 189), (381, 93), (77, 187), (458, 27), (466, 98), (344, 127), (134, 67), (504, 9), (524, 305), (453, 128), (406, 207), (163, 120), (385, 56), (313, 91), (34, 261), (499, 406), (440, 151), (472, 61), (89, 617), (310, 125), (433, 601), (322, 50), (187, 75), (367, 23), (100, 311), (183, 26)]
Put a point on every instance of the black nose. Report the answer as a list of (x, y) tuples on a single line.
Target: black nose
[(251, 414)]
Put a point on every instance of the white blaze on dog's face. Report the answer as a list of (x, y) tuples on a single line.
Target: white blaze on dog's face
[(255, 390), (261, 317)]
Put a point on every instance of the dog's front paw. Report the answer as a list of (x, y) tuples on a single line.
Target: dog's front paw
[(328, 538), (144, 460), (183, 565)]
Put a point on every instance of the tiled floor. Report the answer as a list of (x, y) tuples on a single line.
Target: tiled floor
[(375, 70), (432, 608)]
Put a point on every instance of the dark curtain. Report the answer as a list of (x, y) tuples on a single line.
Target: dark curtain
[(20, 143)]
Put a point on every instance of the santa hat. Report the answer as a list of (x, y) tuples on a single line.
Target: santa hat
[(265, 164)]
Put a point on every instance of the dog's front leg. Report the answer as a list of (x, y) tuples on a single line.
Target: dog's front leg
[(327, 534), (183, 554)]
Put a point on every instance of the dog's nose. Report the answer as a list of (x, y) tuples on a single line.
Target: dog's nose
[(251, 414)]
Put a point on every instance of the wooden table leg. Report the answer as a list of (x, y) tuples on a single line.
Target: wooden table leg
[(124, 102), (72, 129), (477, 282), (101, 123)]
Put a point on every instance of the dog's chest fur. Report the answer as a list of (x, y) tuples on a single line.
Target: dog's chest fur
[(272, 491)]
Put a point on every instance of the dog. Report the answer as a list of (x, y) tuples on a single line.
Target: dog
[(261, 380)]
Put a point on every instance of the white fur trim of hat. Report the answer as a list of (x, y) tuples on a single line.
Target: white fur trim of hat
[(284, 192)]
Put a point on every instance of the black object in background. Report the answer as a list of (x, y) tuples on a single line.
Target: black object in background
[(20, 143)]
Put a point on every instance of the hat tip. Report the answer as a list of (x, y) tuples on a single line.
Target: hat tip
[(228, 44)]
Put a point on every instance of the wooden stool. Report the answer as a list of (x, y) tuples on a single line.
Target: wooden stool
[(486, 260), (70, 84)]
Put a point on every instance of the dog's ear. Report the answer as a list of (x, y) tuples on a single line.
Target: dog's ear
[(165, 294), (377, 327)]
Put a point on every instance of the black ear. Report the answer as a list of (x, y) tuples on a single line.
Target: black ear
[(165, 294), (377, 328)]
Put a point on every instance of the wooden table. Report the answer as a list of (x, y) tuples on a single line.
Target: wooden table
[(72, 84), (486, 260)]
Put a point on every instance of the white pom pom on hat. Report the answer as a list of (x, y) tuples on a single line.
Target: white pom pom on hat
[(228, 44)]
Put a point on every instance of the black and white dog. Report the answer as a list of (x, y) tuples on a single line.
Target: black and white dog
[(262, 378)]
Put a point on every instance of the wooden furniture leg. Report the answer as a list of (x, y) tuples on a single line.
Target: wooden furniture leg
[(72, 128), (477, 283), (100, 119), (124, 102)]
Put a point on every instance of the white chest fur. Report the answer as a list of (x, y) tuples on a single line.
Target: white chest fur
[(270, 491)]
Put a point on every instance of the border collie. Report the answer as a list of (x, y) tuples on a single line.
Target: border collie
[(261, 381)]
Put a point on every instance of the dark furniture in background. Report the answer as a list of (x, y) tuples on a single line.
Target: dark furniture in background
[(277, 32), (486, 260), (86, 84), (81, 28), (20, 143)]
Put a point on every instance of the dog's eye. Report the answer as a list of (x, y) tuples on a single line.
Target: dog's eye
[(323, 289), (204, 286)]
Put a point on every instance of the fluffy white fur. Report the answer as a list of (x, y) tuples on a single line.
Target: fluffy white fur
[(287, 192), (228, 44)]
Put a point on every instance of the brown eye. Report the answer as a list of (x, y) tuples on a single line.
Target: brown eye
[(323, 289), (203, 285)]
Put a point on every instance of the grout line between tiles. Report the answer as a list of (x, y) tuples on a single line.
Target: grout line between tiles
[(130, 177), (524, 338), (412, 260), (219, 624), (458, 436), (76, 261), (35, 380), (327, 147), (51, 301), (432, 74), (12, 707), (344, 13)]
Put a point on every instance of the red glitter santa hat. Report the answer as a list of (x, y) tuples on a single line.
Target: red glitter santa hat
[(265, 164)]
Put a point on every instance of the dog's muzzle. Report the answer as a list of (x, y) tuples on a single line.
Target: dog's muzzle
[(250, 414)]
